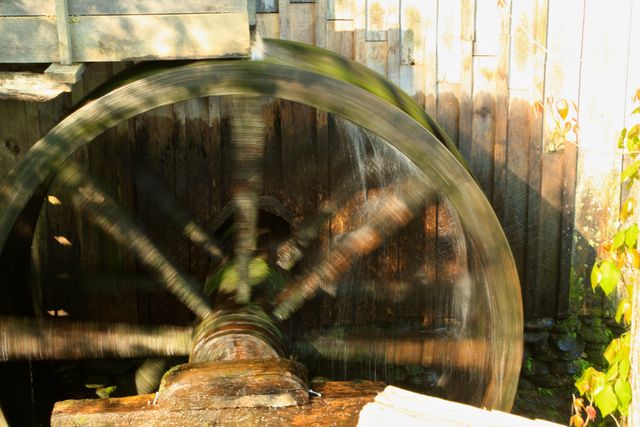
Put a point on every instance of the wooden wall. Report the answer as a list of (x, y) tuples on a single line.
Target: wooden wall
[(479, 67)]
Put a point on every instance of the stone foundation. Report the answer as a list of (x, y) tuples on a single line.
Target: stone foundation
[(556, 351)]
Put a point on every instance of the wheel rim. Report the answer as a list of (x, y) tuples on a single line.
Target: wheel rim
[(325, 92)]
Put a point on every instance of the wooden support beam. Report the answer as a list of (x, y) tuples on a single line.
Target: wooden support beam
[(26, 86), (339, 403), (65, 73), (234, 384), (64, 36)]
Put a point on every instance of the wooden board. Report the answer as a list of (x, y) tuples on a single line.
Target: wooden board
[(30, 87), (126, 37), (121, 7), (338, 405), (449, 67), (395, 406), (597, 194), (562, 77)]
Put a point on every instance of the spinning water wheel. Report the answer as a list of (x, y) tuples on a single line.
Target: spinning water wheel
[(472, 352)]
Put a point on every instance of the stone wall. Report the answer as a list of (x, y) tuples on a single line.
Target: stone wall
[(556, 351)]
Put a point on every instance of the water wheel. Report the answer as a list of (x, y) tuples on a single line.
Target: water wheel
[(288, 296)]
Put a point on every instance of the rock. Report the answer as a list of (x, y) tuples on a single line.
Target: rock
[(541, 324), (571, 367), (544, 352), (533, 368), (596, 358), (525, 385), (568, 325), (571, 347), (553, 380), (535, 336), (595, 334)]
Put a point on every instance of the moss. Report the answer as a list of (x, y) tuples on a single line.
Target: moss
[(576, 292)]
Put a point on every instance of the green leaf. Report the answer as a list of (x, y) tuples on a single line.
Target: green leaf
[(612, 353), (630, 171), (622, 389), (635, 130), (631, 236), (632, 144), (623, 368), (606, 400), (622, 305), (610, 276), (636, 111), (583, 384), (612, 372), (595, 276), (227, 278), (618, 240), (623, 133)]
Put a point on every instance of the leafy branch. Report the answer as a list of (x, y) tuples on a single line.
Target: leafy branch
[(617, 266)]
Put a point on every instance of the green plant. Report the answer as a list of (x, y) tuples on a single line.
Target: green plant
[(616, 267)]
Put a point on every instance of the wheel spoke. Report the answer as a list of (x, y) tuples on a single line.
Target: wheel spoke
[(396, 207), (44, 339), (457, 352), (291, 251), (89, 199), (170, 207), (247, 128)]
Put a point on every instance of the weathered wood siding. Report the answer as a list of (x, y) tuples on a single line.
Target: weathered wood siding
[(478, 66)]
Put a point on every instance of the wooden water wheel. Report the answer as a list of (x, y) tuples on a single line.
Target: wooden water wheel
[(248, 322)]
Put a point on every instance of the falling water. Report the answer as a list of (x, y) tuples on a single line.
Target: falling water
[(368, 341)]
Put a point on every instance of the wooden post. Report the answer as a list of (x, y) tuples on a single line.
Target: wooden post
[(64, 36)]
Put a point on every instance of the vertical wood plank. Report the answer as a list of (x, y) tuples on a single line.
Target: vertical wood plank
[(449, 66), (603, 83), (301, 23), (339, 9), (467, 36), (64, 37), (418, 24), (321, 23), (502, 109), (284, 17), (267, 25), (562, 79), (483, 126), (514, 219), (486, 42), (377, 20), (376, 56), (538, 38), (360, 22), (340, 37), (393, 41)]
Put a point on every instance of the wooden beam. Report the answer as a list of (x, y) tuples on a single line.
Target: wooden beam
[(65, 73), (339, 403), (234, 384), (25, 86), (121, 7), (126, 37), (395, 406), (64, 37)]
